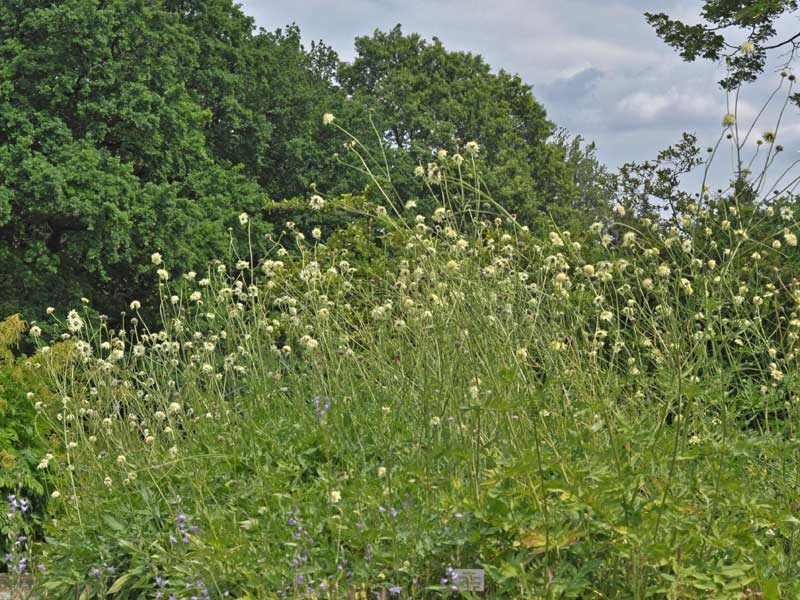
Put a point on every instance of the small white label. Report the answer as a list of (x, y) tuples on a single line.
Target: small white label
[(469, 580)]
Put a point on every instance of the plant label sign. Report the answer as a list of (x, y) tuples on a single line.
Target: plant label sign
[(469, 580)]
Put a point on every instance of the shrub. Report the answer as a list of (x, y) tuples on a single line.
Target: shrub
[(604, 412), (22, 444)]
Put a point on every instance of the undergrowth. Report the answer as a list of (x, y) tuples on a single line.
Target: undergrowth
[(608, 413)]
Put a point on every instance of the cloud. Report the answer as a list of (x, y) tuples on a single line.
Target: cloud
[(645, 108), (581, 85)]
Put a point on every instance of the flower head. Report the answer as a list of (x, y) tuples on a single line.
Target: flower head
[(316, 202), (74, 321)]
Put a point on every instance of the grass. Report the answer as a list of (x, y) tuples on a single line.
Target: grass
[(608, 413)]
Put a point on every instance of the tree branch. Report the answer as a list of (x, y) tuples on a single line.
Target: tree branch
[(783, 43)]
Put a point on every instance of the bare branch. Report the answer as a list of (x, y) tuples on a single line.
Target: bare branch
[(791, 40)]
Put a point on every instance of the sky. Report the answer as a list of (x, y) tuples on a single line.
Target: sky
[(596, 65)]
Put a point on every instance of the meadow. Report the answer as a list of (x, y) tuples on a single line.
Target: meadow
[(609, 412)]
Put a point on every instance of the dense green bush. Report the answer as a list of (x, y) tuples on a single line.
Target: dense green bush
[(22, 444), (364, 392), (608, 413)]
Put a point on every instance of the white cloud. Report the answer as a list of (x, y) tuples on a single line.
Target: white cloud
[(645, 107)]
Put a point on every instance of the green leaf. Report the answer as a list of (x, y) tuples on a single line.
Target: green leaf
[(770, 590), (120, 583), (113, 523)]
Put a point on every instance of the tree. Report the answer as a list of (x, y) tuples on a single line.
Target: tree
[(727, 19), (423, 97), (265, 93), (131, 126), (593, 185)]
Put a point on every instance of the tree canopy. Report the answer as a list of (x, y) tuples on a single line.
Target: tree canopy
[(129, 127), (726, 22), (423, 97)]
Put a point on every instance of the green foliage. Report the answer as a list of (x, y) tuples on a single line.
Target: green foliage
[(129, 128), (609, 412), (22, 445), (649, 187), (708, 40), (423, 98)]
